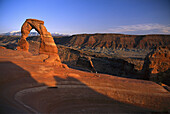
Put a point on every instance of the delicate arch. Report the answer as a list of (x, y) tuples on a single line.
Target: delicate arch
[(47, 45)]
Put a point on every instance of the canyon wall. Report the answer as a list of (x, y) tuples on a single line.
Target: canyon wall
[(115, 41), (157, 66)]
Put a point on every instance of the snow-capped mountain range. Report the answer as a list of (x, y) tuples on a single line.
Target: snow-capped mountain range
[(18, 33)]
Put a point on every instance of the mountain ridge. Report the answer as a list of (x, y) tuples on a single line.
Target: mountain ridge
[(18, 33)]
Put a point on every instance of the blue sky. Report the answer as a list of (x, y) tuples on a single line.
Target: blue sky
[(89, 16)]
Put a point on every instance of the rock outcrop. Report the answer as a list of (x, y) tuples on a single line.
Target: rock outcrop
[(1, 47), (86, 61), (47, 45), (157, 66)]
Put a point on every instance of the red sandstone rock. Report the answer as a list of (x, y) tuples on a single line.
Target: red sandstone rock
[(47, 45), (157, 65), (23, 45), (1, 47)]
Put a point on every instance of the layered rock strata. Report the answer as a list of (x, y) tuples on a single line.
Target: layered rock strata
[(115, 41)]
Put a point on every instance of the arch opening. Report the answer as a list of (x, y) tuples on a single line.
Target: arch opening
[(47, 44)]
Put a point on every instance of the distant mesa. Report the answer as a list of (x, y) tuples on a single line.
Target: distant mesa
[(117, 41), (47, 46)]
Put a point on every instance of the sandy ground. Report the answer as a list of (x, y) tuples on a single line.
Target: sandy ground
[(29, 85)]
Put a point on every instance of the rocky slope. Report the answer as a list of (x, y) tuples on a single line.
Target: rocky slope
[(29, 85)]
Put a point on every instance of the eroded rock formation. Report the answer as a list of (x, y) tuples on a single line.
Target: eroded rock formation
[(157, 65), (47, 45)]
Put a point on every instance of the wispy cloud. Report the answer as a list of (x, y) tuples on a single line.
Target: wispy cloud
[(158, 28)]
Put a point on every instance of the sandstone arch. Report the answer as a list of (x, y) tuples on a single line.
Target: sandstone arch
[(47, 45)]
